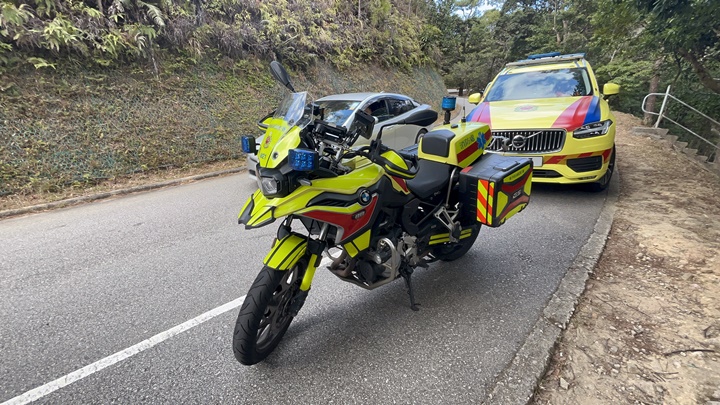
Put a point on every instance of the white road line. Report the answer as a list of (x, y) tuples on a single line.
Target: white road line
[(108, 361), (76, 375)]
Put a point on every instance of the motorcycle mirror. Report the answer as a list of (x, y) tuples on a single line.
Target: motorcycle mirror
[(421, 118), (363, 124), (281, 75)]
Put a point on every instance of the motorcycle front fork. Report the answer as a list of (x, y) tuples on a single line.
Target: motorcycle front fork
[(315, 247)]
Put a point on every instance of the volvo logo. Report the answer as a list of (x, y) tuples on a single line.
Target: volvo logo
[(519, 141), (365, 197)]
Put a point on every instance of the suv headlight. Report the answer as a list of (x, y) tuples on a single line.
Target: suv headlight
[(593, 129)]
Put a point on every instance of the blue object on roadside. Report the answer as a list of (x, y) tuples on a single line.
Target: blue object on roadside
[(448, 103)]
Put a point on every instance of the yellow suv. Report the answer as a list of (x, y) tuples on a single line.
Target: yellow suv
[(549, 108)]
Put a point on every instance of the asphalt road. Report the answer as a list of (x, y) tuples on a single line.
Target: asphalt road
[(83, 283)]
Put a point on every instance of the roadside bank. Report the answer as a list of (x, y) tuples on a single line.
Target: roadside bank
[(647, 328)]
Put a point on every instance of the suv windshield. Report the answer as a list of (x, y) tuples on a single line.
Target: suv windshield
[(541, 84)]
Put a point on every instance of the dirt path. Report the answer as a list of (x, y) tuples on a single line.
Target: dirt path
[(647, 328)]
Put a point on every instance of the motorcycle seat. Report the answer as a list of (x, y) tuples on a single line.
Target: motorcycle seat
[(431, 178)]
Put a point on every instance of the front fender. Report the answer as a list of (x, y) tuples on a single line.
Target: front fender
[(286, 252)]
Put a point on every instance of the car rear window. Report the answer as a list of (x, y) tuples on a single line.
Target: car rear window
[(541, 84), (338, 111)]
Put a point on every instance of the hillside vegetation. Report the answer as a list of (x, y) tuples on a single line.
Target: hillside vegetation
[(76, 128), (94, 89)]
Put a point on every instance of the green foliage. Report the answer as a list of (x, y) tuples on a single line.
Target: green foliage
[(40, 63), (629, 42), (77, 126), (633, 78), (297, 32)]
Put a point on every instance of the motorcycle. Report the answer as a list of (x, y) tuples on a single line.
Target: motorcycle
[(377, 213)]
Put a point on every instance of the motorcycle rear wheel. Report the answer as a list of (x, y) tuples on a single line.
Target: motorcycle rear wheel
[(265, 314), (453, 251)]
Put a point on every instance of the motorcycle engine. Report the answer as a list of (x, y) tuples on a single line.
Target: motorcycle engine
[(375, 267)]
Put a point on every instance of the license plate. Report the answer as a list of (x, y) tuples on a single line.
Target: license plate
[(537, 161)]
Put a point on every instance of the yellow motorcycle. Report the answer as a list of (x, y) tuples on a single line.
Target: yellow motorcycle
[(377, 213)]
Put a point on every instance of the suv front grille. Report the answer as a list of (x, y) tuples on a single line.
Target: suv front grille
[(548, 140)]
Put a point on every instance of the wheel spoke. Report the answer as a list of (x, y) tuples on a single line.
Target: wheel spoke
[(276, 312), (262, 323)]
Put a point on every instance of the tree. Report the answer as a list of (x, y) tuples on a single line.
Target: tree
[(689, 28)]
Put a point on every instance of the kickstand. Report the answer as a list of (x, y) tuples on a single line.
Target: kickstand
[(406, 273)]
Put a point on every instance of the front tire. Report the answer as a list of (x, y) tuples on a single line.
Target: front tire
[(266, 314), (605, 180)]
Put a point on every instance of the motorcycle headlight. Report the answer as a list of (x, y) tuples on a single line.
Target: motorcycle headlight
[(269, 185), (593, 129)]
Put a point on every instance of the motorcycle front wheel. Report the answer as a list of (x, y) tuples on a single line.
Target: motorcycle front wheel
[(265, 314)]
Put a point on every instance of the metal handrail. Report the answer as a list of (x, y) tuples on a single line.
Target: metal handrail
[(662, 109)]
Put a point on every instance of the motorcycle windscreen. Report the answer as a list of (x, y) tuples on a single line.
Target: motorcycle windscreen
[(283, 132)]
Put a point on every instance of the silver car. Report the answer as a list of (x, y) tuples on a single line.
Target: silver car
[(386, 107)]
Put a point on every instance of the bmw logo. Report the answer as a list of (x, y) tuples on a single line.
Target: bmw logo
[(365, 197)]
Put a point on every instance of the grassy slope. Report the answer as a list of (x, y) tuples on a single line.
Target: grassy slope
[(72, 128)]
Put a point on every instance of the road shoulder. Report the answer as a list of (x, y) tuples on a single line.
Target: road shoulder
[(518, 382)]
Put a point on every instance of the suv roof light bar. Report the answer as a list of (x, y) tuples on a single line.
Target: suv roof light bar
[(543, 58), (544, 55)]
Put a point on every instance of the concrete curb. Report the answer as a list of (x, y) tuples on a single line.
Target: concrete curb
[(517, 383), (100, 196)]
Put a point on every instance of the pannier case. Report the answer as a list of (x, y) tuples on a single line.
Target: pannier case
[(495, 188)]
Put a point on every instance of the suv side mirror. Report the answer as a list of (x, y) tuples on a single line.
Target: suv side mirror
[(474, 98), (611, 89)]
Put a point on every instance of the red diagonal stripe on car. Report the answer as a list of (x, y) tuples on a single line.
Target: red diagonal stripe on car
[(573, 116), (606, 154)]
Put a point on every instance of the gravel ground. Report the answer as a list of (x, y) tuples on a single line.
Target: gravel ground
[(647, 328)]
